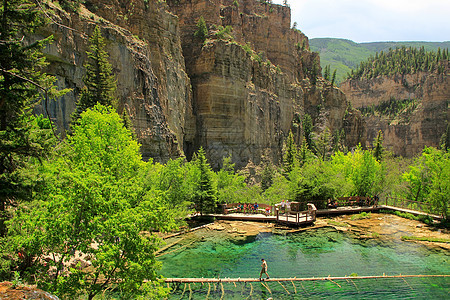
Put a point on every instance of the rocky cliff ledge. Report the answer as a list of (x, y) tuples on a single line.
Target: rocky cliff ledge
[(420, 124), (237, 92)]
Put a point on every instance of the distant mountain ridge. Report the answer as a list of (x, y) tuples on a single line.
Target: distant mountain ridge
[(345, 55)]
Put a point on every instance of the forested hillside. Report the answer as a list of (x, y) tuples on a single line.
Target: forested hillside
[(404, 93), (345, 55)]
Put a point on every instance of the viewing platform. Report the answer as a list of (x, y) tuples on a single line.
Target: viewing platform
[(291, 218)]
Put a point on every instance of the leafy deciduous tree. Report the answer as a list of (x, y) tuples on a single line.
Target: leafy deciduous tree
[(94, 206)]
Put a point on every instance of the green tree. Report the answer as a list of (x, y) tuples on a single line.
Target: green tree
[(22, 85), (100, 83), (93, 206), (231, 186), (173, 183), (202, 30), (206, 194), (333, 77), (378, 146), (429, 180), (308, 130), (363, 172), (267, 177), (290, 154), (445, 139), (324, 144), (316, 182), (326, 73)]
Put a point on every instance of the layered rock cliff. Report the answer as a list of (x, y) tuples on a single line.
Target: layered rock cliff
[(237, 94), (421, 123)]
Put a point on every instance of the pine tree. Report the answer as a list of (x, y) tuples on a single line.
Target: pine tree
[(127, 122), (290, 154), (202, 30), (445, 139), (378, 146), (100, 82), (307, 130), (326, 73), (333, 78), (206, 195), (21, 82), (267, 177)]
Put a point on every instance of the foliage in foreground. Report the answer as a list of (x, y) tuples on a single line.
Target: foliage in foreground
[(93, 206)]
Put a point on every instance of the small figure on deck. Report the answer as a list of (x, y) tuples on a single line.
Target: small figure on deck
[(283, 206), (263, 269), (331, 203), (255, 208)]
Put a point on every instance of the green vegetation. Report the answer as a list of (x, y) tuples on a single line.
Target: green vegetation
[(202, 30), (224, 33), (425, 239), (391, 108), (344, 55), (82, 216), (336, 223), (401, 61), (429, 179), (100, 83), (22, 85), (362, 216), (422, 218)]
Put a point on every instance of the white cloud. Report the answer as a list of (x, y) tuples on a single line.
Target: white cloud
[(373, 20)]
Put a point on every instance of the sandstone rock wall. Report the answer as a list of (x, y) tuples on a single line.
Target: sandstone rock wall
[(245, 106), (182, 93), (148, 63), (406, 135)]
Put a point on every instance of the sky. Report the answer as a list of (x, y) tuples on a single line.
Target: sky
[(373, 20)]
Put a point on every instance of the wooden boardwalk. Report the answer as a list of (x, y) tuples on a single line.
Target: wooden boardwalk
[(309, 217), (347, 210), (301, 218)]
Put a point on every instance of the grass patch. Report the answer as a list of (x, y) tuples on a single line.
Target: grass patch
[(425, 219), (425, 239), (336, 223), (361, 216)]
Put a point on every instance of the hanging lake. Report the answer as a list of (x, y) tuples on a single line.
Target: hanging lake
[(319, 252)]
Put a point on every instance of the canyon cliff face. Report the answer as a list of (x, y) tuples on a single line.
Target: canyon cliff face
[(410, 131), (239, 95), (147, 60)]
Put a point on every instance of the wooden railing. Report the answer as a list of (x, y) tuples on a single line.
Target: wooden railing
[(298, 218), (410, 204)]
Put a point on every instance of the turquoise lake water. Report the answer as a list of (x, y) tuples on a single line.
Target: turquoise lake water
[(313, 253)]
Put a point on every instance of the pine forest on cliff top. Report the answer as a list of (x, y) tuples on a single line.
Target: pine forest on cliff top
[(88, 194)]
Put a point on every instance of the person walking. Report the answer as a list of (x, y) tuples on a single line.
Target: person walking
[(263, 269)]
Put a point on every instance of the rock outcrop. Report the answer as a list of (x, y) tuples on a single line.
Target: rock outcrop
[(408, 132), (12, 292), (146, 58), (253, 86), (236, 95)]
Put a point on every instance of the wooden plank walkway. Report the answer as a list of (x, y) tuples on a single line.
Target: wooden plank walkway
[(410, 211), (346, 210), (245, 217), (302, 218)]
